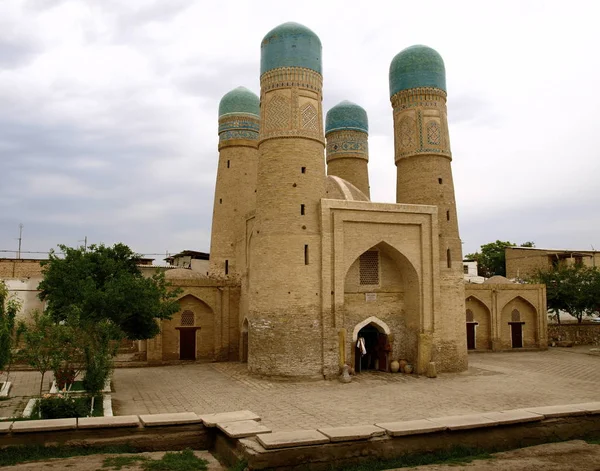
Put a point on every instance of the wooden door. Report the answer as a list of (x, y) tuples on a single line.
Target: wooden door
[(471, 335), (516, 333), (382, 354), (187, 344)]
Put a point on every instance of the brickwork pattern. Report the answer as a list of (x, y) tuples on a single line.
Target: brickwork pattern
[(348, 156), (235, 197), (284, 293), (19, 268)]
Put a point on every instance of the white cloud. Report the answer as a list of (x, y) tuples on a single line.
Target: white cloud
[(108, 110)]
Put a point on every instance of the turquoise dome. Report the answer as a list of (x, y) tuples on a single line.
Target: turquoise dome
[(346, 115), (417, 66), (239, 100), (290, 45)]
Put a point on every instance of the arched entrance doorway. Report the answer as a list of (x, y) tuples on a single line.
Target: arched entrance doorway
[(519, 324), (381, 287), (187, 336), (471, 328), (371, 345)]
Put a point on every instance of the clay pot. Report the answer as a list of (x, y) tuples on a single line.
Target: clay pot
[(402, 364), (394, 366), (408, 369)]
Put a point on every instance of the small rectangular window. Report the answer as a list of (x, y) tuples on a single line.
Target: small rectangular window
[(449, 258), (466, 269), (369, 268), (302, 209), (447, 215), (306, 255), (228, 164), (220, 200), (227, 267), (303, 169), (440, 181)]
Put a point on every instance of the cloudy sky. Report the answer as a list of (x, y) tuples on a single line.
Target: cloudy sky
[(108, 111)]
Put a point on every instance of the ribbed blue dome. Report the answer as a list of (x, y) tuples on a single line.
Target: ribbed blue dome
[(239, 100), (417, 66), (346, 115), (290, 45)]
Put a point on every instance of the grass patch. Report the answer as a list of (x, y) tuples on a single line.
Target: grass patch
[(184, 460), (21, 454), (118, 462), (66, 407)]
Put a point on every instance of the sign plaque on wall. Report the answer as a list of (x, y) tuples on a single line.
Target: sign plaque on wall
[(370, 297)]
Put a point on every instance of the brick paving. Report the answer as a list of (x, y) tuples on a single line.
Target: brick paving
[(494, 381), (24, 385)]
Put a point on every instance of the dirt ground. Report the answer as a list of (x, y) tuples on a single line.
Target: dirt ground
[(575, 455), (95, 463)]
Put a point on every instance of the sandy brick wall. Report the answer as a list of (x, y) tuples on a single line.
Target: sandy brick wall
[(235, 196), (19, 268), (494, 303)]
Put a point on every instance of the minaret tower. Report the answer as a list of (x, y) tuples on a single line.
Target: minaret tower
[(285, 249), (347, 131), (236, 178), (424, 176)]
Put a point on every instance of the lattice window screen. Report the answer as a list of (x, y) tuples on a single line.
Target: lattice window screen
[(187, 318), (470, 316), (369, 268), (515, 316)]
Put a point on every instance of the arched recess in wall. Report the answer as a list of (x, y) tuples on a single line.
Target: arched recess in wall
[(383, 285), (381, 326), (528, 319), (482, 317), (174, 333)]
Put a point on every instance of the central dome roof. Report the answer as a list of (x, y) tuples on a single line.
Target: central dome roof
[(346, 115), (290, 45), (417, 66), (239, 100)]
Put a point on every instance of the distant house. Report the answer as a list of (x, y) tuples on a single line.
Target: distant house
[(523, 262), (196, 261), (22, 277), (470, 272)]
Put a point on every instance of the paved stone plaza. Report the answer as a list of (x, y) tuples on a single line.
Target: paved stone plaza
[(494, 381)]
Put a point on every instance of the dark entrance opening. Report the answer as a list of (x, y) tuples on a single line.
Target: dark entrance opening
[(187, 344), (376, 346), (471, 335), (516, 334)]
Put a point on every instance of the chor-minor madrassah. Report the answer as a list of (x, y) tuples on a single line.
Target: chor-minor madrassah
[(306, 273)]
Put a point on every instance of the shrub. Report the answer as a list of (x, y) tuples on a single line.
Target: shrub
[(62, 407)]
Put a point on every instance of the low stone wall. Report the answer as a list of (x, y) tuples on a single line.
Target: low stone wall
[(579, 334), (158, 432), (336, 448), (240, 436)]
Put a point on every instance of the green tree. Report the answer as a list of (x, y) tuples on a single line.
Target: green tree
[(571, 288), (491, 259), (101, 294), (40, 344), (105, 284), (9, 307)]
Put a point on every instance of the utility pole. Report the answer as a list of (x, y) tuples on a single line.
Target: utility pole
[(20, 238), (84, 243)]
